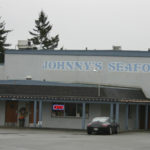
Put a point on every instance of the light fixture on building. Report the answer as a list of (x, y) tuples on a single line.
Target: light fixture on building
[(28, 77)]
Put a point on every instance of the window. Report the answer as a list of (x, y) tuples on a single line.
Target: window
[(57, 112), (79, 110), (114, 111), (70, 110), (129, 111)]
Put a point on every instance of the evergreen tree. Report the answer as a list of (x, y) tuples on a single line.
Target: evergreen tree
[(41, 35), (3, 37)]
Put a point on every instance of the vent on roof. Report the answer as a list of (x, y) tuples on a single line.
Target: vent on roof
[(25, 44), (116, 47)]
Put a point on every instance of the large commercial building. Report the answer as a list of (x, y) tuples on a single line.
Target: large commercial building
[(66, 89)]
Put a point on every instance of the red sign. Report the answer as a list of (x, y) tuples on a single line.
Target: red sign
[(58, 107)]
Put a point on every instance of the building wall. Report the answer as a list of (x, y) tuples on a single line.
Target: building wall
[(59, 122), (115, 71), (20, 66), (2, 113), (95, 110), (2, 71)]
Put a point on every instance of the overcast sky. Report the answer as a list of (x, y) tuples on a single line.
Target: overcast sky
[(96, 24)]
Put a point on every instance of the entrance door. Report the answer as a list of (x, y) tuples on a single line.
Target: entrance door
[(31, 115), (11, 112), (142, 117)]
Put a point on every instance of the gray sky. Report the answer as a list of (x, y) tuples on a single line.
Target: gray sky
[(96, 24)]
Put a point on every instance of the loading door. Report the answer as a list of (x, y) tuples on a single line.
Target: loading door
[(31, 115), (11, 112)]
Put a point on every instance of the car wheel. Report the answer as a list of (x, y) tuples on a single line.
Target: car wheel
[(117, 130), (110, 130), (89, 132)]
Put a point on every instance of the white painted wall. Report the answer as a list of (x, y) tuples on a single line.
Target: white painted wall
[(2, 113), (20, 66), (59, 122), (2, 71), (95, 110)]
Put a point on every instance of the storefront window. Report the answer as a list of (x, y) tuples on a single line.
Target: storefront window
[(70, 110), (87, 110), (56, 111), (79, 110), (129, 111)]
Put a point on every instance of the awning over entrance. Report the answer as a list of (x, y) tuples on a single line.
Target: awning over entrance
[(50, 91)]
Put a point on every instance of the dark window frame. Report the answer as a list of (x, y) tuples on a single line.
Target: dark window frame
[(63, 114)]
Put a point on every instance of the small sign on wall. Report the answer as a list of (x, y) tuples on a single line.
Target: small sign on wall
[(58, 107)]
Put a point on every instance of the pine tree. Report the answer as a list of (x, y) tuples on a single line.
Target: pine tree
[(3, 37), (41, 35)]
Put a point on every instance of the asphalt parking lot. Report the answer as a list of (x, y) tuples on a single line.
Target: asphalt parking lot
[(37, 139)]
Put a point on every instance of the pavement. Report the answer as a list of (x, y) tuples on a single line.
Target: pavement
[(48, 139)]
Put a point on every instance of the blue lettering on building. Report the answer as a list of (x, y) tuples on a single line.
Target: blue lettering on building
[(96, 66), (69, 65), (52, 65), (60, 65), (87, 67), (137, 67), (78, 65), (120, 67), (111, 67), (99, 66), (128, 68), (146, 67), (72, 65)]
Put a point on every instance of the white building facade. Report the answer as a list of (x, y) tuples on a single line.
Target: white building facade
[(99, 74)]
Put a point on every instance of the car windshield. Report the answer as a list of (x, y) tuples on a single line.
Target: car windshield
[(100, 119)]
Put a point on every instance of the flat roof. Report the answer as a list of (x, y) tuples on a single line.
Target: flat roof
[(114, 53)]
